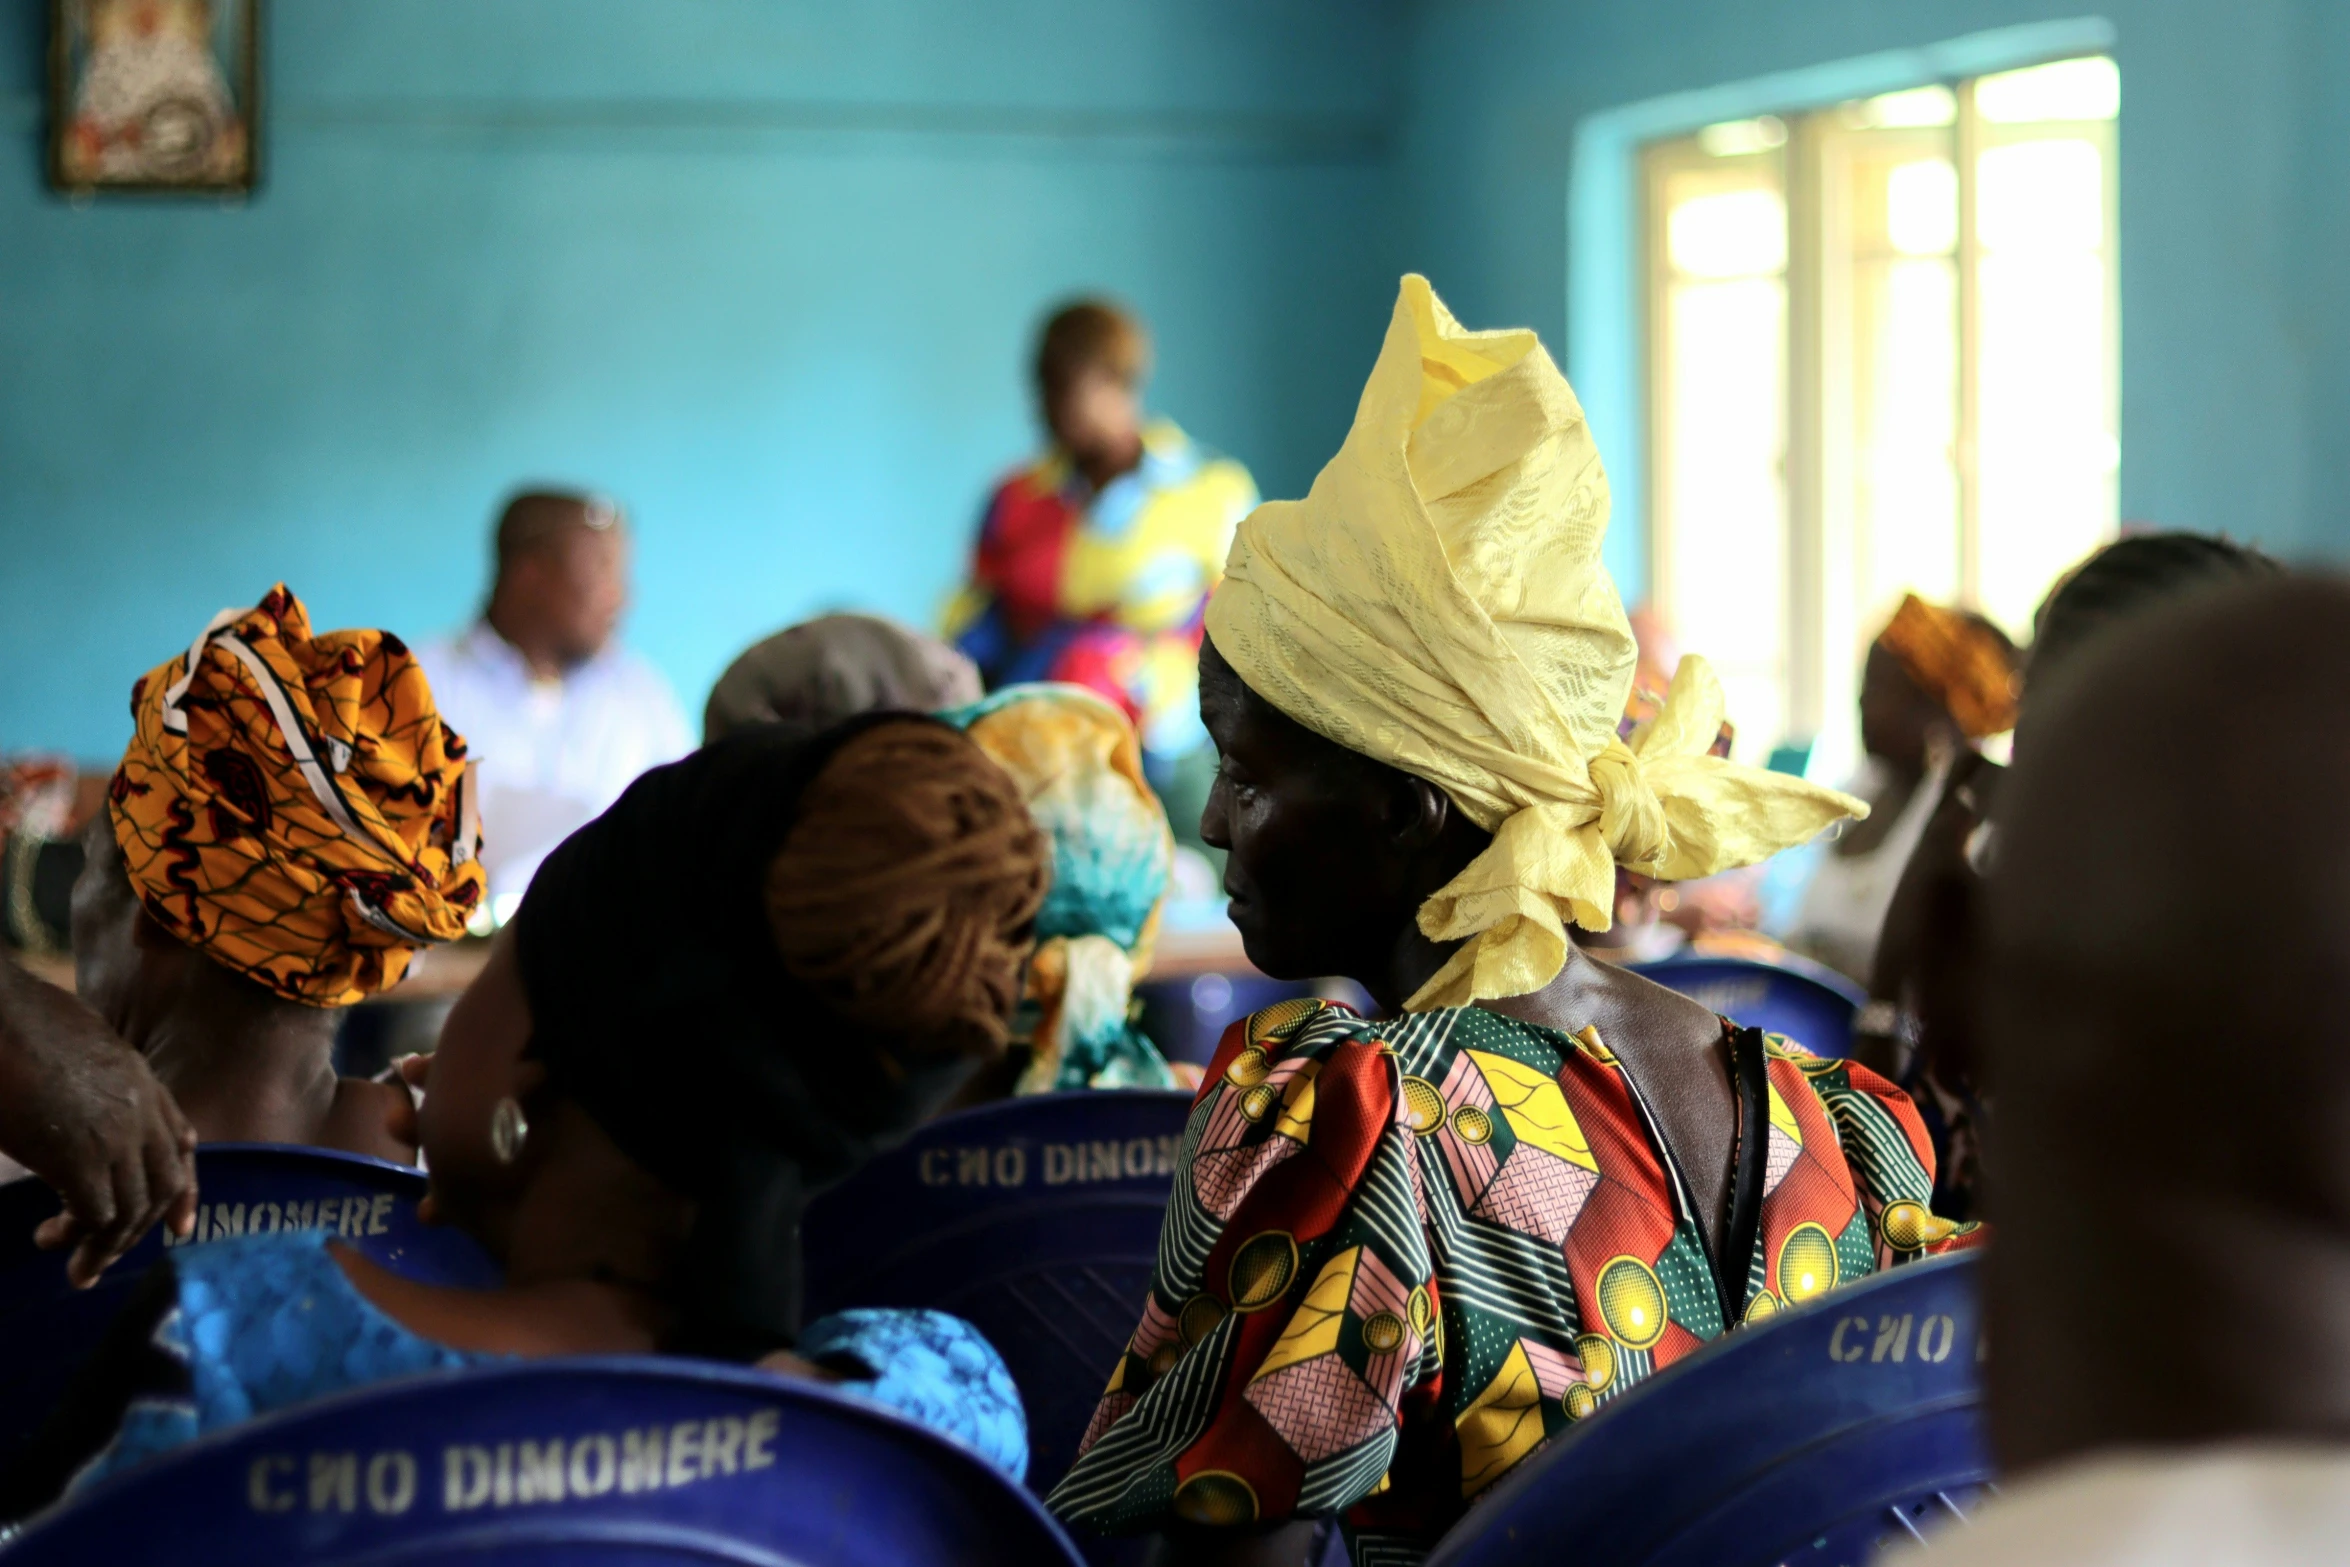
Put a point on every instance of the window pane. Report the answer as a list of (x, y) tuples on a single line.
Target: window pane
[(1720, 309), (1908, 411), (1921, 207), (1729, 530), (1917, 106), (2049, 457), (1894, 262), (1734, 234), (2041, 195), (2048, 449), (2064, 90)]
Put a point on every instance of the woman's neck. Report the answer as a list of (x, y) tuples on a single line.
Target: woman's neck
[(1415, 960), (553, 1316), (261, 1075), (590, 1243)]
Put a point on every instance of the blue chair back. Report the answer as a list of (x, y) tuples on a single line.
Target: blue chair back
[(1808, 1002), (1185, 1015), (1812, 1438), (1036, 1220), (615, 1462), (48, 1328)]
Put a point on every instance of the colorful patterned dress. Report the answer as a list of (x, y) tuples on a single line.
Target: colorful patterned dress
[(1106, 590), (1402, 1254)]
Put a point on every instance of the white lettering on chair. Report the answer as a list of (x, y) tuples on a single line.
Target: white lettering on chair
[(523, 1473)]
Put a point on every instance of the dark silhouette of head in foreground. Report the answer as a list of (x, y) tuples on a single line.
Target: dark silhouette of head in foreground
[(2172, 1057)]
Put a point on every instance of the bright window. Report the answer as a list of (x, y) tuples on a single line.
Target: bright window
[(1883, 357)]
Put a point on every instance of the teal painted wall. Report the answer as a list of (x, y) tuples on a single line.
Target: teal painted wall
[(767, 270), (2235, 204)]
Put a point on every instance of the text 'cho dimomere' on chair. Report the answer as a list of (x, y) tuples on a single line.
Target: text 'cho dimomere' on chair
[(1808, 1002), (1808, 1440), (47, 1327), (1036, 1220), (616, 1462)]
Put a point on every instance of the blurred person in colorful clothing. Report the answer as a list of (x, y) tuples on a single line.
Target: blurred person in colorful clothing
[(1402, 1252), (290, 825), (1937, 682), (1093, 563), (1076, 762)]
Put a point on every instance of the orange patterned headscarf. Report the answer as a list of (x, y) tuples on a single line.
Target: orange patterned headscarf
[(293, 807), (1956, 660)]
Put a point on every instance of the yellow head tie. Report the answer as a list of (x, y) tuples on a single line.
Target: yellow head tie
[(1437, 603)]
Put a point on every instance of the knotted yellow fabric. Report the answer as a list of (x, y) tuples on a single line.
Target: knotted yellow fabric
[(1437, 602)]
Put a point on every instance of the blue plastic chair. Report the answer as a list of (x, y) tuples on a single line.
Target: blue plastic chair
[(1186, 1015), (47, 1328), (1808, 1002), (609, 1462), (1811, 1439), (1037, 1220)]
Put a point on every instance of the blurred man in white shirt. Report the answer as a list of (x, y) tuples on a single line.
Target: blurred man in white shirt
[(561, 717)]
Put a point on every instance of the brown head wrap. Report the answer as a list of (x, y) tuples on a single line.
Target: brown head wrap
[(770, 959), (293, 807), (906, 894)]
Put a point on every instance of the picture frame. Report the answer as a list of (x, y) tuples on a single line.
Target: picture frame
[(154, 96)]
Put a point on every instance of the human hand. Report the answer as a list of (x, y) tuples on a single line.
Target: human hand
[(81, 1110), (403, 1119)]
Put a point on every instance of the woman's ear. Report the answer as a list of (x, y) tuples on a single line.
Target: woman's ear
[(1418, 813)]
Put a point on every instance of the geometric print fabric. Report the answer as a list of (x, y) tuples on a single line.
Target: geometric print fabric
[(1483, 1247)]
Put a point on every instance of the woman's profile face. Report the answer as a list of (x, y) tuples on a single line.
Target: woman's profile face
[(479, 1061), (1313, 879)]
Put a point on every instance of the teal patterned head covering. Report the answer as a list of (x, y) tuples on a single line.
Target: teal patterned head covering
[(1078, 764)]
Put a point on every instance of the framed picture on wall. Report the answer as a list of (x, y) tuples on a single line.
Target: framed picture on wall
[(154, 95)]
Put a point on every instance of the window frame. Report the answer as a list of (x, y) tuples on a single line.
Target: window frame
[(1821, 513)]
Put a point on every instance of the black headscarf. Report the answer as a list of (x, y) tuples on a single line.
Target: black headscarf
[(660, 1005)]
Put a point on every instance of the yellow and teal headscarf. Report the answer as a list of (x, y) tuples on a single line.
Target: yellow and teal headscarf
[(1079, 766)]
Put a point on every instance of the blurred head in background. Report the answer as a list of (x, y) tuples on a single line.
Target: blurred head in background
[(2127, 577), (821, 671), (2171, 1113), (1090, 366), (562, 577), (1935, 677)]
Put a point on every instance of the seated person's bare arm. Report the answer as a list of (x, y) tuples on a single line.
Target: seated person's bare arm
[(80, 1109)]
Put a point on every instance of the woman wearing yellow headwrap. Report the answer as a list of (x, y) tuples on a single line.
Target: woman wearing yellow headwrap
[(1539, 1179), (291, 823)]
